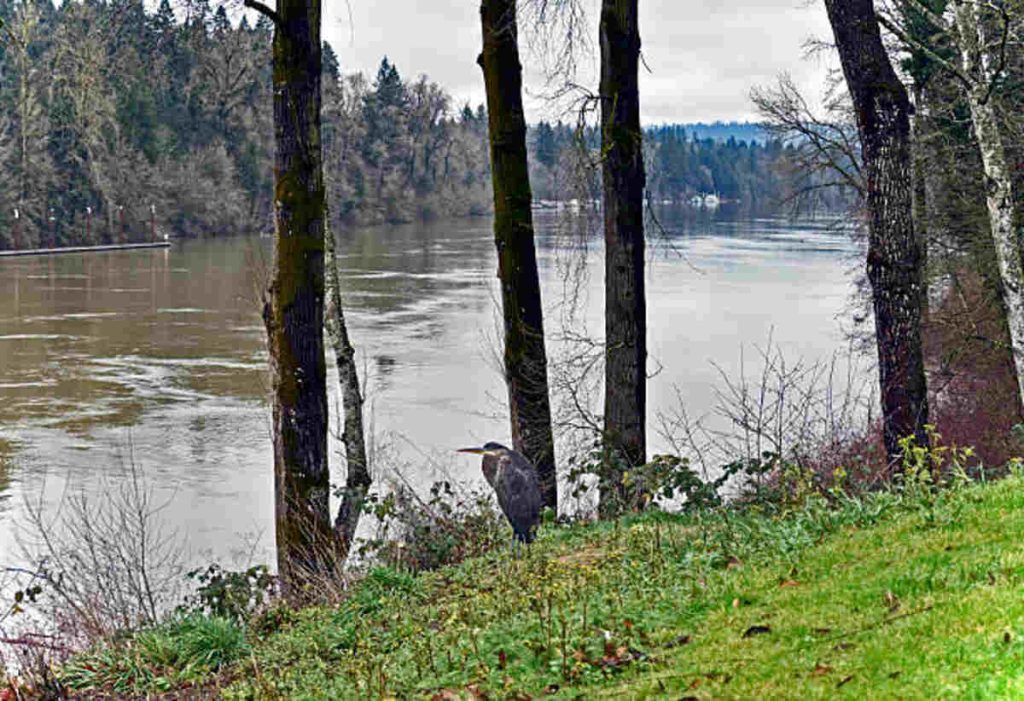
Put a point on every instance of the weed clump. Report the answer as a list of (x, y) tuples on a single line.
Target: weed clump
[(420, 534), (180, 652)]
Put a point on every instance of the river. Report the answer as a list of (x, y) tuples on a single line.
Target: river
[(157, 357)]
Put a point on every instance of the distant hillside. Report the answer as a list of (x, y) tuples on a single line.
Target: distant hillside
[(740, 165), (723, 131)]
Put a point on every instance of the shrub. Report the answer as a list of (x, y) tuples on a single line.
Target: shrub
[(230, 595), (972, 380), (104, 564), (667, 480), (447, 527)]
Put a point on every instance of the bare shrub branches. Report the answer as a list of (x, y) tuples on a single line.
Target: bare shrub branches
[(105, 564), (802, 412)]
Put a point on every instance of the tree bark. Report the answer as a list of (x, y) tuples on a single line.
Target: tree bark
[(358, 480), (526, 371), (625, 302), (894, 260), (999, 195), (294, 306), (918, 139)]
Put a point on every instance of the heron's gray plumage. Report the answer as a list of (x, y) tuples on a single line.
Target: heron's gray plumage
[(515, 483)]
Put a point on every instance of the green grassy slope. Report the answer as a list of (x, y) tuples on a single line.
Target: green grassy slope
[(888, 597)]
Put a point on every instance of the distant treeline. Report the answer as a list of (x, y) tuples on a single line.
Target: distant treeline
[(723, 131), (680, 165), (109, 112)]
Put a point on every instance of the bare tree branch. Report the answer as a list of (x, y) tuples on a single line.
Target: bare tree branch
[(910, 42), (263, 10)]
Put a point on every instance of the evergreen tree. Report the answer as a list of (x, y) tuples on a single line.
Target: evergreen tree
[(545, 145), (163, 22), (331, 65), (125, 109), (221, 23)]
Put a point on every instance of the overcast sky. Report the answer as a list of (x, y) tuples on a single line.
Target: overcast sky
[(704, 55)]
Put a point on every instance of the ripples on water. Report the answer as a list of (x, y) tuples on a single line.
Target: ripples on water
[(162, 352)]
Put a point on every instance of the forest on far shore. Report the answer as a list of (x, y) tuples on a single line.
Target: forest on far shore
[(109, 113)]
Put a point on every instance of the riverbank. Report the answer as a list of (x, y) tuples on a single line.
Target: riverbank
[(912, 594)]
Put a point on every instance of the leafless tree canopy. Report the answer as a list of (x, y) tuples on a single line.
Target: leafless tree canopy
[(825, 151)]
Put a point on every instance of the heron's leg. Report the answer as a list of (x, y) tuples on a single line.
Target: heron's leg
[(515, 545)]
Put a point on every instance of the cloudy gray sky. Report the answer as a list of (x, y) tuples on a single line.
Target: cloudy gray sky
[(704, 55)]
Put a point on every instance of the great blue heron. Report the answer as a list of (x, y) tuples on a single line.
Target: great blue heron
[(514, 481)]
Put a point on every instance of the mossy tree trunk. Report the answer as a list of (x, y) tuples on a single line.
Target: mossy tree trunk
[(294, 305), (894, 259), (625, 301), (526, 370), (358, 479)]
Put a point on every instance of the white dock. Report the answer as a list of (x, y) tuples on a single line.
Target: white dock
[(84, 249)]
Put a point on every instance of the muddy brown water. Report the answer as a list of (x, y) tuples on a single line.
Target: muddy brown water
[(157, 357)]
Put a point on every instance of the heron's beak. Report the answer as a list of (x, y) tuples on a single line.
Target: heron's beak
[(474, 451)]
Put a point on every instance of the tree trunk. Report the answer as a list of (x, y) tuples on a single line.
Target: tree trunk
[(895, 258), (625, 302), (526, 369), (999, 194), (358, 480), (294, 307), (918, 140)]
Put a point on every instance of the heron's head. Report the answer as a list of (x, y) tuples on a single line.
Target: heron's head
[(493, 449)]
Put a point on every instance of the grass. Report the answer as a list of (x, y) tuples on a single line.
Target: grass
[(889, 596), (184, 651)]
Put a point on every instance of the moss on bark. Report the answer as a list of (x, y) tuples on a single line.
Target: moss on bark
[(526, 371)]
